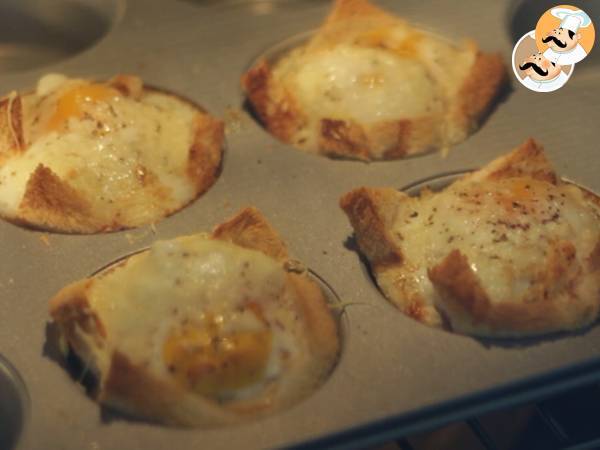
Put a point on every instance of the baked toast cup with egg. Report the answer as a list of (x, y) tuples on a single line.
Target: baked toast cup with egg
[(202, 330), (510, 250), (78, 156), (370, 86)]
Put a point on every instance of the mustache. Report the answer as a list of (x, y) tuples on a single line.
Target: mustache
[(535, 67), (556, 41)]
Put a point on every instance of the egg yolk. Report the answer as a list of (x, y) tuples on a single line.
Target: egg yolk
[(72, 103), (519, 191), (408, 47), (521, 188), (381, 38), (374, 38), (211, 362)]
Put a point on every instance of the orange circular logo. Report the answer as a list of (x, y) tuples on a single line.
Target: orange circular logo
[(565, 34)]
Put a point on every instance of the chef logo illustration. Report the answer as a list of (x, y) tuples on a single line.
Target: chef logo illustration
[(541, 74), (544, 59), (567, 33)]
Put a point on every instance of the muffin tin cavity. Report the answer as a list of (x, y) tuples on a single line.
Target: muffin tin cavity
[(335, 303), (260, 7), (14, 405), (280, 49), (38, 33), (434, 183)]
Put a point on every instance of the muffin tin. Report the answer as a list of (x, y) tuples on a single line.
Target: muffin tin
[(37, 33), (14, 405), (395, 375)]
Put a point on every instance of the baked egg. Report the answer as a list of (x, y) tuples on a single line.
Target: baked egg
[(510, 250), (84, 156), (368, 85), (202, 330)]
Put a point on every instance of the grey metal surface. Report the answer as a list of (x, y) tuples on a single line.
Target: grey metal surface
[(14, 405), (34, 33), (392, 368)]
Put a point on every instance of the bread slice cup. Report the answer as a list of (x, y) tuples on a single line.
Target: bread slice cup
[(203, 330), (510, 250), (370, 86), (78, 156)]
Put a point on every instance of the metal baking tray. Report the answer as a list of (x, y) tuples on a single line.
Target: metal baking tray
[(395, 375)]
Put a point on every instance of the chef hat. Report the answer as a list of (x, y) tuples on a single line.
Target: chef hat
[(571, 19)]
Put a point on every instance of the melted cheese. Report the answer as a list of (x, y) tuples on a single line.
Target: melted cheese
[(127, 157), (212, 316), (506, 228), (380, 80), (362, 84)]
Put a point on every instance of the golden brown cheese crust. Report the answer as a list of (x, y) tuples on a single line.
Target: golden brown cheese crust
[(349, 9), (132, 389), (469, 303), (71, 308), (351, 17), (528, 160), (282, 116), (372, 212), (561, 297), (11, 126), (206, 152), (128, 85), (274, 105), (478, 91), (249, 229), (339, 138), (50, 203)]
